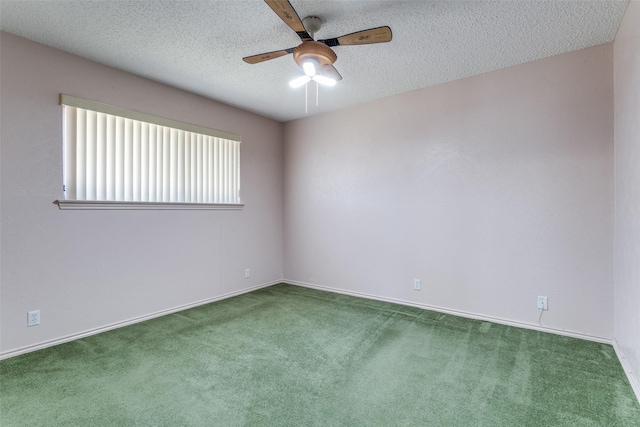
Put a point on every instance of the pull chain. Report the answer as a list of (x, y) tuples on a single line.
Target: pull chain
[(306, 96)]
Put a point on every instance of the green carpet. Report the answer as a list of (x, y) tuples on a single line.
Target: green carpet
[(290, 356)]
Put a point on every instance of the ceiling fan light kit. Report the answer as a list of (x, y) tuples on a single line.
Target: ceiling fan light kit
[(314, 51), (313, 57)]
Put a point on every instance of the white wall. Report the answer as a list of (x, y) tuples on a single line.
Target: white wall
[(90, 269), (492, 190), (627, 181)]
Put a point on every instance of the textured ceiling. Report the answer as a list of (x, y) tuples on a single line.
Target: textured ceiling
[(199, 45)]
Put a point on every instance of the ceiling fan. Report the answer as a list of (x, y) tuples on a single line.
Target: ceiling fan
[(316, 58)]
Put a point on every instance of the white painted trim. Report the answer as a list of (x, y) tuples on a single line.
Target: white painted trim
[(73, 337), (631, 376), (104, 204), (459, 313)]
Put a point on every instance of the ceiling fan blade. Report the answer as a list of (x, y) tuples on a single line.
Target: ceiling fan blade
[(267, 56), (372, 35), (331, 72), (287, 13)]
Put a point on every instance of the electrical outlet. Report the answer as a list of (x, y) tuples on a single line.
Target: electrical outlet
[(33, 318), (416, 284), (542, 303), (247, 273)]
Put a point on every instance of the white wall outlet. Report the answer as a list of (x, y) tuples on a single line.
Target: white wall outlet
[(416, 284), (542, 303), (33, 318), (247, 273)]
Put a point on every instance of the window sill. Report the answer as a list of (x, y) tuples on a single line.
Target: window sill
[(101, 205)]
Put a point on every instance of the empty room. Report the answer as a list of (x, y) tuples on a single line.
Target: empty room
[(319, 213)]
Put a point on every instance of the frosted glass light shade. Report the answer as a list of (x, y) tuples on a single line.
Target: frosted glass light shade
[(299, 81), (323, 80), (309, 68)]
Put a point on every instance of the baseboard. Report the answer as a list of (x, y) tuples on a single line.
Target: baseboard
[(73, 337), (631, 376), (460, 313)]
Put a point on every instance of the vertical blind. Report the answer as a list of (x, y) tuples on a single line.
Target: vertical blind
[(108, 157)]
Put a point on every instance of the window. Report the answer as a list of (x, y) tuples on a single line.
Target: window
[(120, 158)]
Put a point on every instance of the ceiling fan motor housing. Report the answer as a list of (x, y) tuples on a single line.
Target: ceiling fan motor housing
[(316, 51)]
